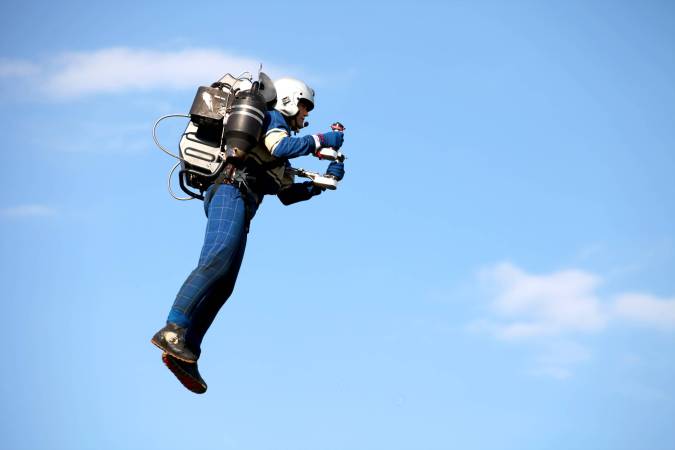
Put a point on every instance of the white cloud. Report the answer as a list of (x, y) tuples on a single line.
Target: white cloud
[(646, 310), (120, 69), (527, 305), (31, 210), (542, 309), (114, 70)]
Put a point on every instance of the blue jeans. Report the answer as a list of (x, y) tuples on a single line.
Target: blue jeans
[(211, 283)]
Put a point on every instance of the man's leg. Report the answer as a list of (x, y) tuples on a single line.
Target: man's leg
[(203, 316), (207, 309), (225, 235)]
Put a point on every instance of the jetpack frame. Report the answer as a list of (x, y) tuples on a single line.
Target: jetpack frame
[(226, 121)]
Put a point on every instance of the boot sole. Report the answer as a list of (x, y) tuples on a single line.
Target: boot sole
[(185, 379), (166, 350)]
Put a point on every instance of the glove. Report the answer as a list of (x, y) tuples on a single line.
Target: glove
[(312, 188), (298, 192), (336, 169), (331, 139)]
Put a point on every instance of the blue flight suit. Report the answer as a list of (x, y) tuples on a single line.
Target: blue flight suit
[(229, 210)]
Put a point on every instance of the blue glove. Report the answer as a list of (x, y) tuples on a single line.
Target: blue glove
[(336, 169), (298, 192), (331, 139), (312, 188)]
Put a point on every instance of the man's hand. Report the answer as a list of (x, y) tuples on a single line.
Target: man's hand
[(298, 192), (336, 169), (313, 189), (331, 139)]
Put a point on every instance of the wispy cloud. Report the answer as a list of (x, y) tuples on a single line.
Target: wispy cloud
[(646, 310), (561, 307), (28, 210), (526, 305), (120, 69)]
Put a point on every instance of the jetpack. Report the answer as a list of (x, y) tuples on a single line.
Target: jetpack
[(225, 122)]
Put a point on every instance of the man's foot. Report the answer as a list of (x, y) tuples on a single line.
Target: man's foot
[(171, 339), (187, 373)]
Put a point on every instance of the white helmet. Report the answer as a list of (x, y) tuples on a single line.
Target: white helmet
[(289, 92)]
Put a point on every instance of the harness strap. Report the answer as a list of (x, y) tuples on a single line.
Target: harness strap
[(237, 177)]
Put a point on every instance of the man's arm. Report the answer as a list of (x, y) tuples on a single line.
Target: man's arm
[(279, 142), (298, 192)]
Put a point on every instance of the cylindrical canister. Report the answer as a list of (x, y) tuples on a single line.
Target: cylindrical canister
[(245, 121)]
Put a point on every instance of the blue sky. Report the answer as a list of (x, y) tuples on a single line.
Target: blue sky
[(494, 272)]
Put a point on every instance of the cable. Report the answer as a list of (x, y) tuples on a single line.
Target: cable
[(169, 185), (154, 134), (242, 77)]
